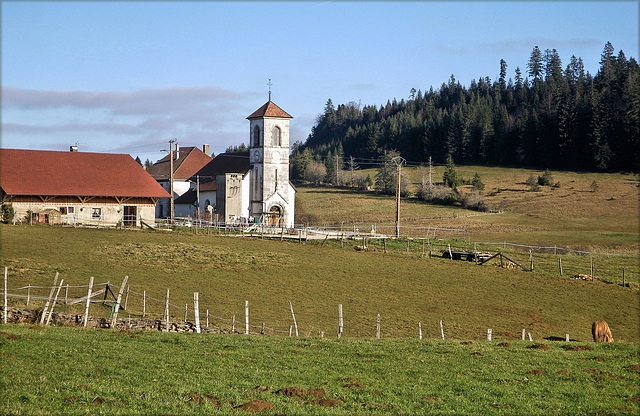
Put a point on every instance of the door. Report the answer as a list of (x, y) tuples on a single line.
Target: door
[(274, 216), (130, 217)]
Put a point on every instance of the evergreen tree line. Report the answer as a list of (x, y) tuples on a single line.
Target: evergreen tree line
[(561, 118)]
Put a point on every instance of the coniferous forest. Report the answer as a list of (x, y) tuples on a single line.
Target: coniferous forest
[(548, 116)]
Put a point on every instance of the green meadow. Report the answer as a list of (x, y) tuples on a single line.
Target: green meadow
[(52, 370), (69, 371)]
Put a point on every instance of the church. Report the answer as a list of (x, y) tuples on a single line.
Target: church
[(251, 186)]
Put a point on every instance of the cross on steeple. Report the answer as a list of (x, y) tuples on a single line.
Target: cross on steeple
[(269, 84)]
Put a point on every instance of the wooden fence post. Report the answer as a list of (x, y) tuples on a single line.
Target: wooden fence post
[(530, 339), (560, 265), (531, 260), (126, 299), (419, 330), (408, 246), (66, 293), (46, 305), (196, 311), (119, 299), (385, 245), (166, 311), (233, 324), (294, 318), (450, 254), (86, 310), (340, 321), (186, 311), (378, 328), (144, 303), (441, 330), (592, 274), (523, 333), (54, 303), (207, 321), (246, 317), (489, 333), (566, 337), (6, 305), (106, 292), (623, 277), (29, 294)]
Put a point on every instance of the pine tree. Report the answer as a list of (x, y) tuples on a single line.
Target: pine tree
[(535, 64), (450, 176)]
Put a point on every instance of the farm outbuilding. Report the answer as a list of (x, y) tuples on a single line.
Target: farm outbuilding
[(78, 188), (187, 162)]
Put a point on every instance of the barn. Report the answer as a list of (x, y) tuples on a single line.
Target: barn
[(78, 188)]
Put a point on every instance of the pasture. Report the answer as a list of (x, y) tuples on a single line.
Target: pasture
[(49, 370), (73, 371)]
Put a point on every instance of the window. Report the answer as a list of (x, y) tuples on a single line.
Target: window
[(70, 210), (256, 136), (276, 140), (66, 210), (96, 212)]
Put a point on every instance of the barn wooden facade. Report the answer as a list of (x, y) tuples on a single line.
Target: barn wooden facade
[(77, 188)]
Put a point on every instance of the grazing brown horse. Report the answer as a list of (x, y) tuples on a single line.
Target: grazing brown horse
[(601, 332)]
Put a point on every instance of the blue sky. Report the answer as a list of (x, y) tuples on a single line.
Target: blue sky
[(126, 77)]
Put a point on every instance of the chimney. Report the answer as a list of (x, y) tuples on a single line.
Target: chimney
[(177, 151), (73, 148), (205, 149)]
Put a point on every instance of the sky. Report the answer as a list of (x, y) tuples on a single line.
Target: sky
[(127, 77)]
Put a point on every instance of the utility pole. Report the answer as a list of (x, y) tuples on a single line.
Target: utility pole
[(171, 177), (198, 197), (398, 162), (430, 183)]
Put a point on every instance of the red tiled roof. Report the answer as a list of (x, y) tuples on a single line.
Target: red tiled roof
[(269, 110), (43, 172), (190, 161)]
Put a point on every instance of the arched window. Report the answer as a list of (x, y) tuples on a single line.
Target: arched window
[(256, 136), (276, 140)]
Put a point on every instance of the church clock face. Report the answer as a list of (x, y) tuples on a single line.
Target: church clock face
[(276, 157), (256, 155)]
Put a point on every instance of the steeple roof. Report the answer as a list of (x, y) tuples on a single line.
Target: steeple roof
[(270, 109)]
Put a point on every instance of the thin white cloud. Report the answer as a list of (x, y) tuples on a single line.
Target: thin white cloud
[(112, 120)]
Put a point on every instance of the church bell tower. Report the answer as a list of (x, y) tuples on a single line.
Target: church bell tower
[(271, 194)]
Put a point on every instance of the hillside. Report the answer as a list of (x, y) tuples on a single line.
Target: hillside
[(571, 215), (556, 117)]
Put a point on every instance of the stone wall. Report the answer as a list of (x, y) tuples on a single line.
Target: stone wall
[(32, 316)]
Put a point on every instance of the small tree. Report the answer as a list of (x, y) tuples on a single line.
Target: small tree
[(532, 183), (450, 176), (477, 182), (315, 172), (7, 212), (546, 179)]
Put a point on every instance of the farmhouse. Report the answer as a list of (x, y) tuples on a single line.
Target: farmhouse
[(252, 186), (187, 161), (77, 188)]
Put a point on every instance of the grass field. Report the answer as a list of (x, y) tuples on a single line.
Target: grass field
[(403, 289), (71, 372), (570, 215)]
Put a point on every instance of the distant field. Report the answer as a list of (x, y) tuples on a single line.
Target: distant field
[(68, 371), (570, 215)]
